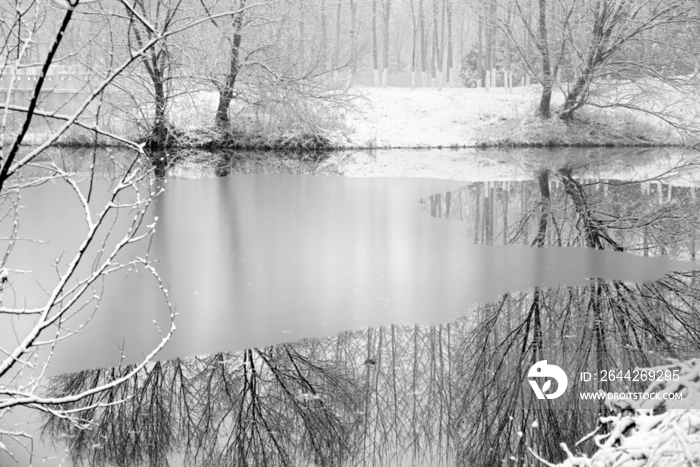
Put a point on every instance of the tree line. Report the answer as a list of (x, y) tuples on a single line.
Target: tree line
[(288, 62)]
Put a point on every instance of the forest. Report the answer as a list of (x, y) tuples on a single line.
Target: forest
[(284, 74), (115, 114)]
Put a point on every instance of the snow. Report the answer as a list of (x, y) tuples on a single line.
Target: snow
[(451, 117), (423, 117), (669, 439)]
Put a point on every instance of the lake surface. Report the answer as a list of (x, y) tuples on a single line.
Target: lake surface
[(499, 270), (260, 259)]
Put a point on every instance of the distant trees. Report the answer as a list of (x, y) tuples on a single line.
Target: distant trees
[(386, 17), (275, 69), (147, 97), (385, 21), (300, 47), (645, 46), (290, 59)]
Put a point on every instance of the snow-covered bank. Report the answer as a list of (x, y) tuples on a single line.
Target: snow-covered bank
[(388, 118), (428, 117), (401, 117)]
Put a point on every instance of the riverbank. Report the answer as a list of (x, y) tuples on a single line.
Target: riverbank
[(384, 118), (468, 165), (462, 117)]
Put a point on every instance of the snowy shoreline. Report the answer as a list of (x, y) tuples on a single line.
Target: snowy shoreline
[(418, 118)]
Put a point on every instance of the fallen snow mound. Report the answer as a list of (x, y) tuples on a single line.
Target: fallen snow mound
[(639, 438)]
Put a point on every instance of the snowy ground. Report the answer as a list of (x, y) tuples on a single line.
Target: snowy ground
[(428, 117), (422, 117)]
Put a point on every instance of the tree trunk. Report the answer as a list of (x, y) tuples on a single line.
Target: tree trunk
[(594, 231), (488, 36), (414, 49), (443, 44), (479, 54), (575, 97), (336, 49), (436, 43), (423, 45), (450, 58), (545, 205), (375, 46), (599, 331), (507, 62), (159, 136), (605, 40), (353, 38), (387, 15), (226, 91), (302, 41), (546, 98), (493, 42), (324, 35), (156, 63)]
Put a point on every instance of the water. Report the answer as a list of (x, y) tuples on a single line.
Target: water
[(256, 260)]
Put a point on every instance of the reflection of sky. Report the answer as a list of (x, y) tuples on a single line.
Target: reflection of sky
[(256, 260)]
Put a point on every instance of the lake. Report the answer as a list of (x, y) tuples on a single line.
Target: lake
[(438, 287)]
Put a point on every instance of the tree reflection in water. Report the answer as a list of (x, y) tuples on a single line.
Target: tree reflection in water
[(453, 394), (604, 325)]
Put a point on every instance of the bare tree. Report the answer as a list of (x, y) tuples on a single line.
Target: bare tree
[(280, 405), (375, 45), (639, 55), (551, 34), (233, 37), (616, 30), (386, 18), (115, 216), (149, 20), (275, 72)]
